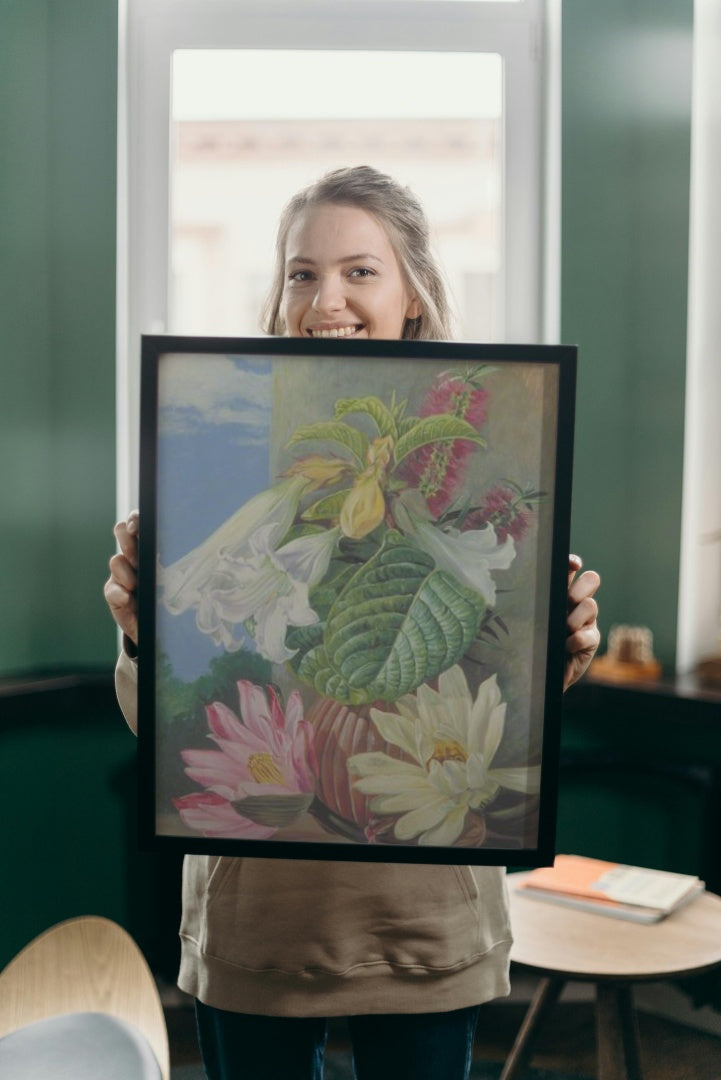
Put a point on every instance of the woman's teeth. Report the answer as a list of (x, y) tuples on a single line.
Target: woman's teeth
[(337, 331)]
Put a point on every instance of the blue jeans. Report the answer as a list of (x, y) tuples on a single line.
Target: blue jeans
[(413, 1046)]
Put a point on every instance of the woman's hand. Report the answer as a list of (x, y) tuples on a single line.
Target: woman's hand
[(582, 633), (121, 587)]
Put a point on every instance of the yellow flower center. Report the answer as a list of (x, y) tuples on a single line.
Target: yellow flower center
[(264, 770), (447, 750)]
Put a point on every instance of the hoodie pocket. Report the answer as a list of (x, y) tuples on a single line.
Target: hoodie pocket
[(295, 916)]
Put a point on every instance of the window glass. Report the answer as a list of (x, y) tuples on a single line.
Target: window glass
[(251, 127)]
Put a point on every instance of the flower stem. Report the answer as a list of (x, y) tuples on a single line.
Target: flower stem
[(334, 823)]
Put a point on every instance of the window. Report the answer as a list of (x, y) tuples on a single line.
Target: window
[(227, 107), (235, 160)]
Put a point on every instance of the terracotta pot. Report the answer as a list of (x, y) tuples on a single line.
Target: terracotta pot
[(339, 731)]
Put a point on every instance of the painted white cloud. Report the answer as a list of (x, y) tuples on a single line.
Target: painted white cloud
[(200, 390)]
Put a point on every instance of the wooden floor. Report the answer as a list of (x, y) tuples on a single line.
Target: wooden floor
[(669, 1051), (567, 1042)]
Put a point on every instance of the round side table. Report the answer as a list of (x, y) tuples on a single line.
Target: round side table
[(563, 944)]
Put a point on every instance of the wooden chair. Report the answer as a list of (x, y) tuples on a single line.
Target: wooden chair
[(81, 969)]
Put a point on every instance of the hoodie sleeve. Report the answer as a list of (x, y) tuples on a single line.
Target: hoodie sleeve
[(126, 688)]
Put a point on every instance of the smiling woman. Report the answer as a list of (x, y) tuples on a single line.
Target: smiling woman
[(332, 292), (353, 259)]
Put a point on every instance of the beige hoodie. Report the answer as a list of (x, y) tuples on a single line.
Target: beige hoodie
[(299, 938)]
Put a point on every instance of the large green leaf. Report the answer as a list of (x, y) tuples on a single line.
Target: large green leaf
[(432, 429), (334, 431), (397, 622), (405, 424), (374, 407)]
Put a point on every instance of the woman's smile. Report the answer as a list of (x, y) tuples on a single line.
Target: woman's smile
[(334, 331)]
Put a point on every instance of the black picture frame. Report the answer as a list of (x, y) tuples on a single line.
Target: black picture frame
[(353, 572)]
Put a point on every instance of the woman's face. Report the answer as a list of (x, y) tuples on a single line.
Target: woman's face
[(342, 277)]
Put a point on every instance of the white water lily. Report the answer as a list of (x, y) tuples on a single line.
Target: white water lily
[(451, 740), (266, 590), (469, 556)]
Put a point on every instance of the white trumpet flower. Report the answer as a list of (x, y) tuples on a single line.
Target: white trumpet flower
[(469, 556), (239, 575)]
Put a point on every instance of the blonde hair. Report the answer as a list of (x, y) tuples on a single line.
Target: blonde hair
[(403, 217)]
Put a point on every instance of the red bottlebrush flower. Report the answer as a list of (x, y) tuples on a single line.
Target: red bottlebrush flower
[(505, 510), (437, 469), (458, 397)]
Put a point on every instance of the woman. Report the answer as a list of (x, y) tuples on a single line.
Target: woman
[(271, 948)]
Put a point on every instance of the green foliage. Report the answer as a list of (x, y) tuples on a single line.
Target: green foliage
[(177, 699), (334, 431), (382, 416), (173, 697), (434, 429), (395, 623)]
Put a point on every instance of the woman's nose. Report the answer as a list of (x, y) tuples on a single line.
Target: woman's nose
[(329, 295)]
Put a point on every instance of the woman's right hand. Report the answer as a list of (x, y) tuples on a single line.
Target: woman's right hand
[(121, 587)]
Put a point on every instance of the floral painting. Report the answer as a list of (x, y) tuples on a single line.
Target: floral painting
[(352, 610)]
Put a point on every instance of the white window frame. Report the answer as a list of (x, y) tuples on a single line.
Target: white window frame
[(699, 597), (526, 34)]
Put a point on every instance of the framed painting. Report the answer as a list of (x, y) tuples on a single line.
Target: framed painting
[(352, 597)]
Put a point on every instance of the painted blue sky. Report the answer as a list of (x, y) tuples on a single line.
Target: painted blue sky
[(213, 437)]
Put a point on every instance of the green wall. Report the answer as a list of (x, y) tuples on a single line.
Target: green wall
[(58, 71), (626, 145), (66, 758)]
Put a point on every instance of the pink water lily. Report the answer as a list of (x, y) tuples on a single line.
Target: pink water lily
[(262, 775)]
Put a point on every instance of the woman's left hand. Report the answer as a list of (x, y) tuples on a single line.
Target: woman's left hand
[(582, 633)]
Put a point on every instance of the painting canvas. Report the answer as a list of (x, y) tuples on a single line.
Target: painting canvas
[(352, 595)]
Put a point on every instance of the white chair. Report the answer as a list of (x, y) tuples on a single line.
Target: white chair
[(80, 1002)]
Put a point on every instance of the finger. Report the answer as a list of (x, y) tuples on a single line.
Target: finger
[(585, 585), (584, 641), (118, 598), (126, 534), (122, 571), (584, 613), (575, 563), (123, 608)]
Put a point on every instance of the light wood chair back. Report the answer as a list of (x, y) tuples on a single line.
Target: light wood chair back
[(87, 964)]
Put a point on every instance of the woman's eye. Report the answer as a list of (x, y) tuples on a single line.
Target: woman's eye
[(300, 276), (362, 272)]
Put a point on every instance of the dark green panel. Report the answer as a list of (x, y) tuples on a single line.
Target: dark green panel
[(626, 146), (57, 324), (82, 270), (627, 816), (26, 394), (69, 787), (641, 777)]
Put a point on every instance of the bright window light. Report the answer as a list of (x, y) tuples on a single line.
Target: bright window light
[(238, 155)]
